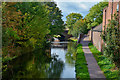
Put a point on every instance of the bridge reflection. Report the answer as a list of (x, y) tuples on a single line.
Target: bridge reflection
[(59, 44)]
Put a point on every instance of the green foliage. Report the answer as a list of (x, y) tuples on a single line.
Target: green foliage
[(55, 18), (105, 63), (112, 41), (12, 33), (8, 59), (71, 20), (36, 20), (27, 24), (95, 15), (79, 27), (81, 64), (73, 39), (76, 24)]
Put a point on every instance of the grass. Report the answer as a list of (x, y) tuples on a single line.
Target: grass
[(73, 39), (81, 64), (108, 67)]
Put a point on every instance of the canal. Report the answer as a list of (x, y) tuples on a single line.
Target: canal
[(56, 62)]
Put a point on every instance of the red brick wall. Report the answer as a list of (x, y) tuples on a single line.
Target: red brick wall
[(109, 12), (104, 17), (119, 12)]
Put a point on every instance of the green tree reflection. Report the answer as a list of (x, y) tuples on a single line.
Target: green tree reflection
[(34, 65), (71, 53)]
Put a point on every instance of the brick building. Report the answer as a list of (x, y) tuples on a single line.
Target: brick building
[(108, 12)]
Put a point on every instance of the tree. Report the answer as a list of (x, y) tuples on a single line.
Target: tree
[(55, 18), (11, 23), (25, 26), (71, 19), (36, 23), (79, 27), (95, 15)]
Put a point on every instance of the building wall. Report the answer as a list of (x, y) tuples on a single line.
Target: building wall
[(97, 40), (108, 12), (95, 37)]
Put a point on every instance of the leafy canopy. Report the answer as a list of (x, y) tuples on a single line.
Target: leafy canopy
[(72, 18), (95, 15), (55, 18), (79, 27)]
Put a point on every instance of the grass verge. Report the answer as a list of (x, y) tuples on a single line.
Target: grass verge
[(81, 64), (109, 68)]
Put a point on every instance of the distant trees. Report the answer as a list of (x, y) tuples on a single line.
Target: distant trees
[(79, 27), (77, 24), (72, 18)]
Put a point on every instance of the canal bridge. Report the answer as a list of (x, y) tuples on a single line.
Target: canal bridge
[(64, 35)]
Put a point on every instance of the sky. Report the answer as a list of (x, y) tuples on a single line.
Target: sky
[(74, 7)]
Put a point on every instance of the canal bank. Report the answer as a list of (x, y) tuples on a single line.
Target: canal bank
[(81, 64)]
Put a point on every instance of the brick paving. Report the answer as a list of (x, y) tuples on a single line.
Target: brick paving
[(93, 68)]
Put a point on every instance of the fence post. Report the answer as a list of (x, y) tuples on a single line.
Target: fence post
[(79, 38)]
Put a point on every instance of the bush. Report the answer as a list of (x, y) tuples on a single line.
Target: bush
[(112, 41)]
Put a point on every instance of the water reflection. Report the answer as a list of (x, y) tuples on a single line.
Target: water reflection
[(61, 64), (68, 56), (71, 53)]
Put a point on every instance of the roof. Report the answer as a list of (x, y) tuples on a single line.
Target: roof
[(98, 28)]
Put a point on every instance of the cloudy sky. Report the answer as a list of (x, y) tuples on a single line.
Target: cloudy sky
[(76, 7)]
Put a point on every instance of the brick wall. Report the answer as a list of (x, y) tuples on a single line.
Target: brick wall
[(97, 40), (95, 36), (109, 11)]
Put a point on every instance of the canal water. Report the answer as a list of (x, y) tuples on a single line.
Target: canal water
[(56, 62)]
